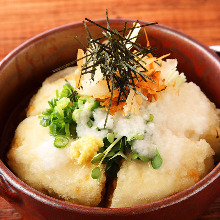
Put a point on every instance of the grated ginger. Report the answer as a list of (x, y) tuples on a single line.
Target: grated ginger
[(85, 148)]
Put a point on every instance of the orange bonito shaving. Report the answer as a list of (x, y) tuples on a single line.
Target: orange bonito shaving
[(148, 43)]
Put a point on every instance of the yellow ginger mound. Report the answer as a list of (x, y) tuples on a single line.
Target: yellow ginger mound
[(85, 148)]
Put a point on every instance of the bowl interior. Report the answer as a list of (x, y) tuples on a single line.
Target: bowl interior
[(23, 71)]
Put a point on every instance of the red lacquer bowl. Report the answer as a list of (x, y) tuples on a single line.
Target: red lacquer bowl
[(23, 70)]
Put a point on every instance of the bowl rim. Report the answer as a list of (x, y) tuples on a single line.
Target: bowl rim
[(18, 184)]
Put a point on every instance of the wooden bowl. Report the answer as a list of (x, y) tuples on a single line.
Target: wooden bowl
[(24, 69)]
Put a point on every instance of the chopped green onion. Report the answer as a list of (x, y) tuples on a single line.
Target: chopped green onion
[(45, 121), (81, 103), (64, 92), (73, 130), (136, 137), (150, 119), (88, 105), (62, 103), (68, 86), (59, 110), (58, 117), (47, 112), (95, 105), (67, 130), (139, 136), (76, 114), (85, 99), (61, 141), (90, 124), (52, 103)]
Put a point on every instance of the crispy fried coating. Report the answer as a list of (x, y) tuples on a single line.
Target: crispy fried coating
[(35, 160)]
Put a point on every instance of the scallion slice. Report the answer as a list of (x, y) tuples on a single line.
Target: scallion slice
[(61, 141), (90, 124), (95, 105), (150, 119)]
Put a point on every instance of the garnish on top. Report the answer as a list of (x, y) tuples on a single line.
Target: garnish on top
[(119, 63), (117, 73)]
